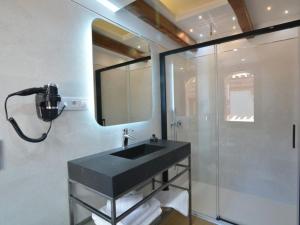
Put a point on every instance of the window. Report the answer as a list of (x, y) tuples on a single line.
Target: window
[(239, 97)]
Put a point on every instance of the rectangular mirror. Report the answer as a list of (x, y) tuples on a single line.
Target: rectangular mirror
[(123, 75)]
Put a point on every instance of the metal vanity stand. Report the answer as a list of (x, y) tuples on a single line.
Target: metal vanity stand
[(157, 186)]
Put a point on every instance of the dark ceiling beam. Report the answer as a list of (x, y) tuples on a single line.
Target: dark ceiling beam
[(240, 9), (115, 46), (149, 15)]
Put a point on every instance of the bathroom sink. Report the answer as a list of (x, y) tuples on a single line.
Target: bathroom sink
[(117, 171), (138, 151)]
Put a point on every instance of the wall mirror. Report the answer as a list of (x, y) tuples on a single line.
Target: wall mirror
[(123, 75)]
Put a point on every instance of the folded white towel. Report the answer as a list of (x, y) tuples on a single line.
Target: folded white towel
[(141, 216), (178, 200), (125, 203)]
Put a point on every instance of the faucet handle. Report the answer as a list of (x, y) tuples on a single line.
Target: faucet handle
[(126, 130), (153, 138)]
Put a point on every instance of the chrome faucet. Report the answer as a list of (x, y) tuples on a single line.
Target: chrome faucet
[(126, 137)]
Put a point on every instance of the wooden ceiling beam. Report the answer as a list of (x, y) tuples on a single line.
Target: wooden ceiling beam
[(149, 15), (240, 9), (116, 46)]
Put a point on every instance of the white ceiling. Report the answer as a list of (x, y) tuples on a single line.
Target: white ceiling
[(262, 17), (220, 18)]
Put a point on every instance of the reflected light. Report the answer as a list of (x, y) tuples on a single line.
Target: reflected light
[(239, 97), (106, 3), (172, 89)]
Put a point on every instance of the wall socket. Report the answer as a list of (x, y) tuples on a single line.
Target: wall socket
[(74, 103)]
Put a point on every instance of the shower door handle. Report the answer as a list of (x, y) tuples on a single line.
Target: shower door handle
[(294, 136)]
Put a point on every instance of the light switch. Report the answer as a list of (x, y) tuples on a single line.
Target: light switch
[(74, 103)]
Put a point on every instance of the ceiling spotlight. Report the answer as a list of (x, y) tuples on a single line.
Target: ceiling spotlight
[(243, 60), (181, 68), (235, 49), (269, 8), (191, 30), (138, 46), (201, 35), (214, 31), (200, 17), (234, 27), (233, 18), (286, 11)]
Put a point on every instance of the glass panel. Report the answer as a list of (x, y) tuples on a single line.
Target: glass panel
[(258, 166), (126, 94), (114, 88), (244, 166), (191, 94), (140, 91)]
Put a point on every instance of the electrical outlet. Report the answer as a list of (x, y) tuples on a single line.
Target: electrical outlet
[(74, 104)]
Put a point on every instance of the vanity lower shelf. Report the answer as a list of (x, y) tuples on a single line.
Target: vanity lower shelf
[(164, 215)]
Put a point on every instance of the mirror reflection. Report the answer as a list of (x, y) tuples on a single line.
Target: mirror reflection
[(123, 75)]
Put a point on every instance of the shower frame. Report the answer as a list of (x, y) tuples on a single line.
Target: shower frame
[(163, 81)]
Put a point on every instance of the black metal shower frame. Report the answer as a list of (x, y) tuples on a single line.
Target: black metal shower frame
[(163, 84)]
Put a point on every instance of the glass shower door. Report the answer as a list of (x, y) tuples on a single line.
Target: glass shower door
[(258, 89), (191, 106)]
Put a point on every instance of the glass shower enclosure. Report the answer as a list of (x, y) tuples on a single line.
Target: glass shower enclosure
[(237, 102)]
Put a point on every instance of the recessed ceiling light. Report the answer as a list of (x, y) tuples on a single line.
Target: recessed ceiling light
[(109, 5), (233, 18), (191, 30), (201, 35), (138, 46), (269, 8), (235, 49), (181, 68), (243, 60), (286, 11), (234, 27), (200, 17), (214, 31)]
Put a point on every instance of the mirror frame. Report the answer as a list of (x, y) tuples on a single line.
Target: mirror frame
[(97, 84)]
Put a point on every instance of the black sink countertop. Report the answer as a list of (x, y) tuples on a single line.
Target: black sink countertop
[(113, 175)]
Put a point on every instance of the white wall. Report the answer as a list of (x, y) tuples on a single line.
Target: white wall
[(43, 41)]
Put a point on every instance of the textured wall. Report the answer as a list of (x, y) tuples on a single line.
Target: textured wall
[(43, 41)]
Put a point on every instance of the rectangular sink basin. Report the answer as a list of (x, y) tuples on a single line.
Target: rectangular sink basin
[(138, 151), (117, 171)]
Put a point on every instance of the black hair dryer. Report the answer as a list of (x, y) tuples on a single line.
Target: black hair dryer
[(47, 100)]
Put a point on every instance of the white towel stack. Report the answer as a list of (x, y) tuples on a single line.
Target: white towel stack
[(178, 200), (144, 215)]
